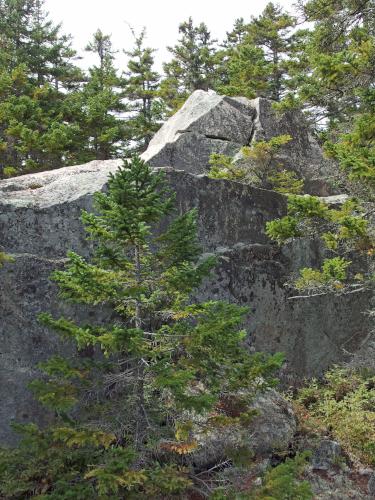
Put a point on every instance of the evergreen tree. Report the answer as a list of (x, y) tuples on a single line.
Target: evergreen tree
[(339, 56), (36, 131), (271, 32), (125, 422), (193, 65), (245, 71), (237, 35), (257, 54), (102, 105), (333, 79), (141, 90)]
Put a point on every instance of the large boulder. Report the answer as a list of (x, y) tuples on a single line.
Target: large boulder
[(39, 223), (207, 123), (210, 123)]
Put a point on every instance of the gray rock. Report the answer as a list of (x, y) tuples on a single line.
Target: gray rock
[(371, 485), (271, 430), (39, 223), (208, 123), (327, 454)]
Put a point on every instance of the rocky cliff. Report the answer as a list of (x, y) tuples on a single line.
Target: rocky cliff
[(39, 223)]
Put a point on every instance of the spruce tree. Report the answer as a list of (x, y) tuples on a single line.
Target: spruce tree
[(193, 65), (141, 91), (101, 105), (271, 32), (337, 60), (245, 71), (257, 54), (162, 367), (333, 79), (36, 71)]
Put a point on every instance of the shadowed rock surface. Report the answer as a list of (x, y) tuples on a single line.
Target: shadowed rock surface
[(39, 223), (210, 123)]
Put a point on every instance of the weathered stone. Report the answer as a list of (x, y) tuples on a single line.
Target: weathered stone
[(270, 431), (39, 223), (371, 485), (326, 455), (208, 123)]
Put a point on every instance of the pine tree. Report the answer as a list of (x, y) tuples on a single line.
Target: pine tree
[(245, 71), (126, 420), (257, 54), (271, 32), (141, 90), (101, 106), (339, 54), (237, 35), (193, 65), (36, 70)]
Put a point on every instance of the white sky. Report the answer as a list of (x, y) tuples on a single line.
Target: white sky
[(81, 18)]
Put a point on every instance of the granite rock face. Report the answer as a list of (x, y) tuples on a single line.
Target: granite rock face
[(39, 223), (209, 123)]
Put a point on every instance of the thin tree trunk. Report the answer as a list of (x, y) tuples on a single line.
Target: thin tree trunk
[(140, 409)]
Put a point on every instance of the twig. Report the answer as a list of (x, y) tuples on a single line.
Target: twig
[(226, 462)]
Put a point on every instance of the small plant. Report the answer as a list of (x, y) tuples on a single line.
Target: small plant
[(262, 162), (258, 167), (286, 182), (223, 167), (333, 274), (344, 403), (5, 258), (9, 171), (283, 481), (282, 229)]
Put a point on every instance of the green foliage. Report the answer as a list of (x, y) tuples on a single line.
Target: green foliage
[(283, 483), (36, 74), (246, 71), (341, 230), (261, 160), (162, 366), (142, 90), (192, 67), (300, 210), (5, 258), (100, 102), (309, 215), (355, 151), (282, 229), (286, 182), (259, 167), (306, 207), (343, 403), (333, 274), (222, 167), (254, 62)]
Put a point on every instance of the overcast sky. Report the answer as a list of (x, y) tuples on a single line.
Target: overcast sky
[(161, 18)]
